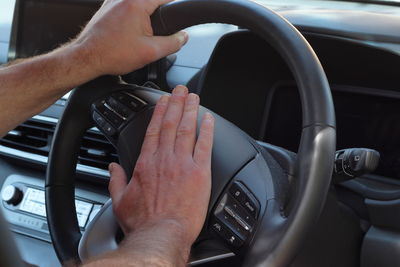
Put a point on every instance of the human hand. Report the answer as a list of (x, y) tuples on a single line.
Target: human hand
[(171, 183), (119, 38)]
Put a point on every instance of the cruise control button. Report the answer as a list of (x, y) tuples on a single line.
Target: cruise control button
[(242, 212)]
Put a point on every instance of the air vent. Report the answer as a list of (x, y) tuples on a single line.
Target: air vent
[(31, 136), (35, 135), (96, 151)]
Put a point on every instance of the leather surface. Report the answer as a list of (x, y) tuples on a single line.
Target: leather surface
[(60, 175)]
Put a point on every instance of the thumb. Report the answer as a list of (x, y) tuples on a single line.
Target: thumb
[(118, 180), (167, 45)]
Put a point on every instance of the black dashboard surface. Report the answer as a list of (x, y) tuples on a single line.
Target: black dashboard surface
[(258, 93)]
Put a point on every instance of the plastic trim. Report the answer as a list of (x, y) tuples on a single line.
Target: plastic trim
[(15, 153)]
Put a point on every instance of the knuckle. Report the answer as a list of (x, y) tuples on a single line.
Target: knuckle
[(177, 100), (141, 165), (185, 130), (190, 108), (169, 124), (152, 131), (159, 110)]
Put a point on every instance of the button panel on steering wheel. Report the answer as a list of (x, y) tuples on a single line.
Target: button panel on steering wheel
[(110, 114), (235, 215)]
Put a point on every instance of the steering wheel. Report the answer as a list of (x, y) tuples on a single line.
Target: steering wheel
[(247, 210)]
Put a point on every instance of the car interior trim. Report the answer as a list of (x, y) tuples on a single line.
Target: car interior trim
[(15, 153), (211, 259)]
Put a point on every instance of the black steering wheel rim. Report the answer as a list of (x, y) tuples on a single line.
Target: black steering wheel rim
[(317, 143)]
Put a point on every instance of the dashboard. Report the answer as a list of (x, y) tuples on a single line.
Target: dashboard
[(357, 44)]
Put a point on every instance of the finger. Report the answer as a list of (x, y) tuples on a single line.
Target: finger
[(151, 139), (118, 181), (203, 148), (172, 118), (167, 45), (186, 133)]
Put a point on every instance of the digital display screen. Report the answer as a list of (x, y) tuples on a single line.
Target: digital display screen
[(44, 25), (362, 120), (34, 202)]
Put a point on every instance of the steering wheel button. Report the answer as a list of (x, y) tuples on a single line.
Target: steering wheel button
[(237, 192), (251, 206), (217, 227), (108, 129), (230, 237), (99, 120), (129, 101), (109, 115), (119, 107), (234, 240)]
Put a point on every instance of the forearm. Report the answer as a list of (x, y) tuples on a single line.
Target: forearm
[(30, 86), (160, 246)]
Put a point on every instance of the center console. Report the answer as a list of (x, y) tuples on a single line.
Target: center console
[(23, 205)]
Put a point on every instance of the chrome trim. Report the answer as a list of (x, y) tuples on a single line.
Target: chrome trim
[(237, 218), (135, 97), (45, 118), (114, 111), (55, 121), (95, 129), (15, 133), (43, 160), (213, 258)]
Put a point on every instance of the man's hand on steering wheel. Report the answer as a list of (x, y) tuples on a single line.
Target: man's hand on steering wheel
[(119, 38), (171, 184)]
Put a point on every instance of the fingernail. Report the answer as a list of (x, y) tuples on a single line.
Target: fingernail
[(111, 167), (192, 99), (208, 117), (183, 37), (179, 90)]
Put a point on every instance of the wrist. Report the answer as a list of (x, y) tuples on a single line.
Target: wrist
[(163, 241), (78, 63)]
